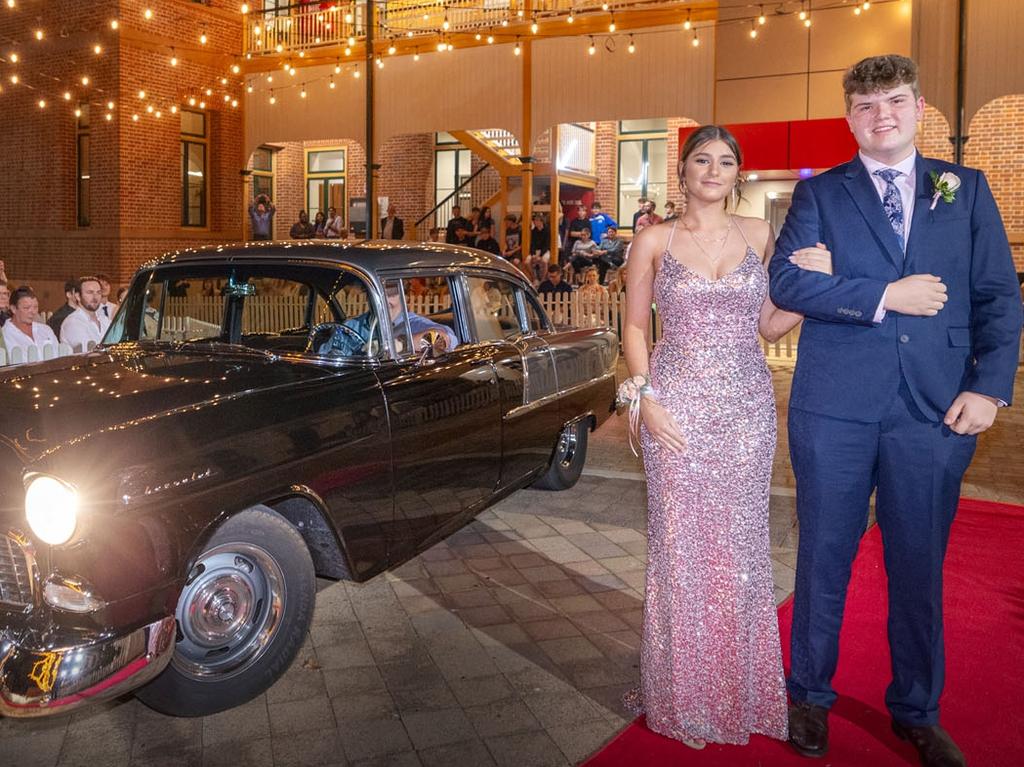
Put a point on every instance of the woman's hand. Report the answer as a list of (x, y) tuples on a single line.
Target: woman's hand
[(816, 259), (662, 425)]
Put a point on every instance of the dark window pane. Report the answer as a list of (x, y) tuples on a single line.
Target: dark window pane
[(83, 118), (263, 185), (263, 159), (194, 183), (332, 160), (193, 123), (84, 201)]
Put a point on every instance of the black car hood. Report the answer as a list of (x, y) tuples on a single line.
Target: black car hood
[(48, 406)]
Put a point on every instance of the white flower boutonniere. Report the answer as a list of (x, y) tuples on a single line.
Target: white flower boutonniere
[(944, 186)]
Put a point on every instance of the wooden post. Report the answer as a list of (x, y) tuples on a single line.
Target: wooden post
[(525, 148)]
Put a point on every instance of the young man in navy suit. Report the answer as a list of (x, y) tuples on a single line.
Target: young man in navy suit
[(907, 352)]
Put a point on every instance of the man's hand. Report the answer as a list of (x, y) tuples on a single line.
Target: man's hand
[(816, 259), (971, 413), (920, 295)]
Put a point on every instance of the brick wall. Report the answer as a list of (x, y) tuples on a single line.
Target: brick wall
[(996, 146)]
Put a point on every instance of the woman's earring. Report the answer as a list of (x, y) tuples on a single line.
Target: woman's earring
[(735, 195)]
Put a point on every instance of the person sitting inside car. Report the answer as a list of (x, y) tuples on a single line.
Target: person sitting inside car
[(344, 344)]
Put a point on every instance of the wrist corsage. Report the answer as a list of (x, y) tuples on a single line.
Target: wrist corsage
[(631, 391)]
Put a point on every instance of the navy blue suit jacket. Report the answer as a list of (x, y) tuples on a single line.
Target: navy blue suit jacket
[(848, 366)]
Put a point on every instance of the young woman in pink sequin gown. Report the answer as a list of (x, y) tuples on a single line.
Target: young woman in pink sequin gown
[(711, 663)]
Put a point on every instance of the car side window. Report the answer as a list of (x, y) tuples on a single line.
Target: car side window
[(492, 302), (417, 305), (535, 319)]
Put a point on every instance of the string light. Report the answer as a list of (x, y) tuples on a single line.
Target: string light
[(135, 118), (687, 25), (409, 33), (142, 94), (85, 79), (67, 95), (78, 112), (533, 25), (150, 109), (762, 19), (351, 42), (158, 114), (356, 73), (97, 49), (803, 11), (39, 34), (611, 26), (109, 116), (867, 6), (234, 103), (696, 40), (348, 51), (174, 58), (270, 78), (13, 57), (273, 98), (444, 24), (604, 6), (223, 81), (110, 105), (302, 93), (10, 3), (490, 39), (856, 10), (114, 24), (451, 47), (202, 105), (571, 17), (174, 109), (592, 49), (348, 18), (245, 8), (330, 83), (516, 51), (14, 79), (416, 56), (478, 37), (380, 63), (227, 97), (632, 47), (147, 14), (753, 31), (392, 49), (202, 38), (192, 100), (209, 91), (337, 67), (249, 89), (441, 47)]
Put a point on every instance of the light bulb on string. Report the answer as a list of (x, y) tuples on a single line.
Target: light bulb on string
[(202, 105), (270, 78), (330, 82), (611, 26), (234, 103), (380, 63), (392, 49), (174, 109), (147, 14), (856, 10), (14, 79), (273, 98), (235, 69), (135, 118), (441, 47), (478, 37), (150, 109), (490, 39), (85, 79), (142, 94), (520, 13), (67, 95), (114, 24), (279, 48), (348, 18), (416, 55), (97, 49), (302, 93), (533, 26), (687, 25), (348, 51), (444, 24), (109, 116), (409, 33), (192, 100), (202, 38), (78, 112), (245, 8), (249, 89), (593, 48), (762, 19), (13, 57), (632, 47), (351, 42), (39, 34), (227, 97), (867, 6), (753, 31), (337, 67), (356, 73), (696, 40), (604, 6), (570, 18), (209, 91), (517, 50), (174, 58), (110, 105)]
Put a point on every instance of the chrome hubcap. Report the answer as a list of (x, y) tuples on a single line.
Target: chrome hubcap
[(567, 446), (229, 611)]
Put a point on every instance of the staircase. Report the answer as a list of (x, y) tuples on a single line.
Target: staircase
[(498, 148)]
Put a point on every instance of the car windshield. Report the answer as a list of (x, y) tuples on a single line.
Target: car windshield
[(262, 307)]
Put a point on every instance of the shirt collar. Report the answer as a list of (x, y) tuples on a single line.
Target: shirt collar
[(906, 167)]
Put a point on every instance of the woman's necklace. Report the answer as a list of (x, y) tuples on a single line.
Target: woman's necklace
[(710, 241)]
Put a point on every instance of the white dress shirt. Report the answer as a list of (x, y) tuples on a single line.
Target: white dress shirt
[(79, 329), (41, 334), (906, 184)]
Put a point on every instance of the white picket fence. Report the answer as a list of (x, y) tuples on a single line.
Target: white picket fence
[(21, 355)]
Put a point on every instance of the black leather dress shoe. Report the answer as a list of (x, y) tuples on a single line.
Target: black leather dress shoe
[(934, 746), (808, 729)]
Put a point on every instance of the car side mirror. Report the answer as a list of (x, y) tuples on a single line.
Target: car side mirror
[(433, 344)]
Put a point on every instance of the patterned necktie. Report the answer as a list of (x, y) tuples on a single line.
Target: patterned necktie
[(892, 202)]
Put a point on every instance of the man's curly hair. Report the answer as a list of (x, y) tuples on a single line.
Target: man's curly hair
[(880, 73)]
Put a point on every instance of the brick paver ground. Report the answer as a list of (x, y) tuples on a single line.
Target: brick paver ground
[(510, 643)]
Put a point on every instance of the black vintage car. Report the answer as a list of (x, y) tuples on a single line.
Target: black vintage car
[(259, 415)]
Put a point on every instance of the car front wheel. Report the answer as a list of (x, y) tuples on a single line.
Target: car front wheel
[(568, 459), (242, 616)]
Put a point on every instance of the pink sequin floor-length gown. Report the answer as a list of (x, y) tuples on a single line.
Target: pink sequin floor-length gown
[(710, 658)]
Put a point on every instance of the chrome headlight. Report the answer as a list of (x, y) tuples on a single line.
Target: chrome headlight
[(51, 507)]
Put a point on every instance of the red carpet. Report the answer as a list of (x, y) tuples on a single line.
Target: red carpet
[(984, 696)]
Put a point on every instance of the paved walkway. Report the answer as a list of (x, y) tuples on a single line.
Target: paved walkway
[(508, 644)]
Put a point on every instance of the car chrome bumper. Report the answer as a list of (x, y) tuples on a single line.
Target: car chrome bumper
[(43, 681)]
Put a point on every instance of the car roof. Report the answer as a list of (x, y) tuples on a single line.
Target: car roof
[(368, 255)]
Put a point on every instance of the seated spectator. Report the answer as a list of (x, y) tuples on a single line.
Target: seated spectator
[(611, 253), (5, 302), (584, 252), (670, 211), (86, 324), (70, 304), (301, 229), (486, 242), (599, 222), (513, 239), (554, 283), (23, 330), (459, 231), (591, 290)]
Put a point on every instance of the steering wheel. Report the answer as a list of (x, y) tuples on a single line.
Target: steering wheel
[(313, 346)]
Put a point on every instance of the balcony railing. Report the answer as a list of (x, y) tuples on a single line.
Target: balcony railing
[(576, 147), (303, 26)]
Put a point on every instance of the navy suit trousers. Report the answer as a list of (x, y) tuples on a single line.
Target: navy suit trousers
[(917, 466)]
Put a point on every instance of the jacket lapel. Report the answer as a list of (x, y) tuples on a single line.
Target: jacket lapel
[(866, 198), (922, 207)]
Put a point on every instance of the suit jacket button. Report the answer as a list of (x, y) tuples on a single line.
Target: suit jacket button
[(904, 338)]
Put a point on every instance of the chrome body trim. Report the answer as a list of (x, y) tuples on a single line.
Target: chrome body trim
[(530, 406), (43, 680)]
